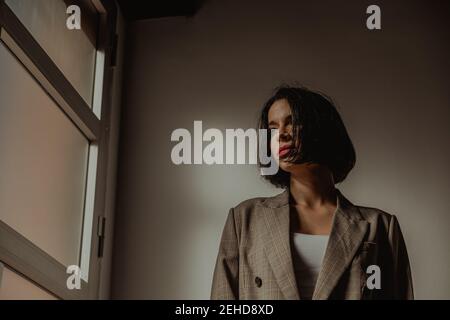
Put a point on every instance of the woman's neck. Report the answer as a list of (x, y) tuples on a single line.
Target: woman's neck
[(312, 186)]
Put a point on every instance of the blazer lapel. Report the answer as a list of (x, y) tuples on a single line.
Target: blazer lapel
[(347, 233), (275, 220)]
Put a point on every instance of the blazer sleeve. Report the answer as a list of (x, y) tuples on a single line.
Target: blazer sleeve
[(225, 284), (403, 287)]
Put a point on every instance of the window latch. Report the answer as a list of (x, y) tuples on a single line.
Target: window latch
[(101, 235)]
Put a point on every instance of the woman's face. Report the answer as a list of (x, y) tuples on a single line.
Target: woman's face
[(280, 118)]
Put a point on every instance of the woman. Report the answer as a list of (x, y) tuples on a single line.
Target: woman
[(310, 242)]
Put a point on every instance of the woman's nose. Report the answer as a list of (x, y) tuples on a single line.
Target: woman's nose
[(284, 135)]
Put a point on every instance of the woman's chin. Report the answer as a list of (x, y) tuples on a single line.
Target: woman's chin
[(286, 166)]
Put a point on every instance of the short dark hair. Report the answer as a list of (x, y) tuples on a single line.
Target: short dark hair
[(317, 123)]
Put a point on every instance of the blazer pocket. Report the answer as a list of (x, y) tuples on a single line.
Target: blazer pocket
[(368, 245), (367, 255)]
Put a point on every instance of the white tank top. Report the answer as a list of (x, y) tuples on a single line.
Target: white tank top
[(308, 252)]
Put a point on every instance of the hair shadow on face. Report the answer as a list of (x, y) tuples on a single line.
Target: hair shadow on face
[(317, 130)]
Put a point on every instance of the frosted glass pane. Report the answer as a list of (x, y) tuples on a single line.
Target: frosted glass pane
[(43, 165), (73, 51), (15, 287)]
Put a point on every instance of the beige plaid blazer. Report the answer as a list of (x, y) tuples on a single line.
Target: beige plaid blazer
[(255, 261)]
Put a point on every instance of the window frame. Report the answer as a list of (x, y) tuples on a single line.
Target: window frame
[(17, 252)]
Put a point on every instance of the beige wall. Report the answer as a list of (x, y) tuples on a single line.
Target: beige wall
[(391, 87)]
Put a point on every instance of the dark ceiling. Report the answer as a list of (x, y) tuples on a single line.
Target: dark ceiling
[(148, 9)]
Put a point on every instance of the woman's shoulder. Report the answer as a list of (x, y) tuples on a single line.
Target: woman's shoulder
[(257, 204), (249, 204), (247, 214), (375, 215)]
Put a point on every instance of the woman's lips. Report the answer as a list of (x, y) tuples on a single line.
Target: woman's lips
[(283, 151)]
